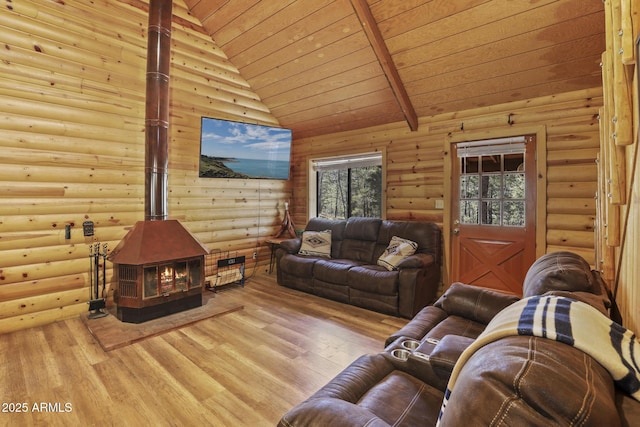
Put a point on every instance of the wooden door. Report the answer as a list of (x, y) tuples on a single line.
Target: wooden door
[(493, 212)]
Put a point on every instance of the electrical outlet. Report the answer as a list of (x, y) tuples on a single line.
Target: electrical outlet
[(255, 255)]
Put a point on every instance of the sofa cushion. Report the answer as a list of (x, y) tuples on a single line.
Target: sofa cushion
[(456, 325), (374, 279), (369, 392), (316, 243), (372, 301), (397, 250), (360, 236), (416, 407), (297, 266), (334, 291), (333, 271), (359, 228)]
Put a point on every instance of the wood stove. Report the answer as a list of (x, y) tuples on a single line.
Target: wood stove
[(158, 270), (159, 265)]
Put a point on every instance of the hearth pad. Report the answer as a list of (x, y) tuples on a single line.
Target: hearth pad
[(111, 333)]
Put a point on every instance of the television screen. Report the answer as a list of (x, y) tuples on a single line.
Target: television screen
[(241, 150)]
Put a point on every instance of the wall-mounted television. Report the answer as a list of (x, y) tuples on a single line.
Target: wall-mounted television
[(230, 149)]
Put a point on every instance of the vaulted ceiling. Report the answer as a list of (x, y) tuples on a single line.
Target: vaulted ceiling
[(324, 66)]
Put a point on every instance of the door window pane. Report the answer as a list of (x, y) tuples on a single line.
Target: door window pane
[(470, 165), (513, 214), (491, 163), (491, 186), (514, 186), (491, 213), (469, 211), (469, 187), (514, 162)]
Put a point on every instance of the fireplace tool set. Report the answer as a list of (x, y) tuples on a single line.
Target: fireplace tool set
[(97, 302)]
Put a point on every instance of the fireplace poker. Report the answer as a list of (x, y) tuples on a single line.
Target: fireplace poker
[(91, 262), (96, 264), (96, 304), (104, 269)]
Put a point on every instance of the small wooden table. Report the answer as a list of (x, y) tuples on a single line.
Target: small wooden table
[(273, 243)]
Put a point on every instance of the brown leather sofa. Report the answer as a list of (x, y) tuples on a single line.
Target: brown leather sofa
[(516, 380), (351, 273)]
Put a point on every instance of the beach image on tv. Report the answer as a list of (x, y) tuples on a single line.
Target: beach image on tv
[(241, 150)]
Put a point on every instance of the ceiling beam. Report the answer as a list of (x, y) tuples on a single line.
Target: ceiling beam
[(374, 35)]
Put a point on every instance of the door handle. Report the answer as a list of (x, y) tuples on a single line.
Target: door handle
[(456, 231)]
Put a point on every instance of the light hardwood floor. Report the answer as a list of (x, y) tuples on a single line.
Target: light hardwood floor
[(244, 368)]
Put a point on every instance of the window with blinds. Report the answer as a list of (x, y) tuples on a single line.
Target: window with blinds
[(349, 186)]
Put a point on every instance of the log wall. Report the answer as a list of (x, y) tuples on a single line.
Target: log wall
[(72, 101), (619, 207), (415, 162)]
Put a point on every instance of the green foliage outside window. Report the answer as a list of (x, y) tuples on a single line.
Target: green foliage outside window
[(343, 193), (492, 190)]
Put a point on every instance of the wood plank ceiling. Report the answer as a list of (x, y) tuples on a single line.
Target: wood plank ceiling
[(316, 68)]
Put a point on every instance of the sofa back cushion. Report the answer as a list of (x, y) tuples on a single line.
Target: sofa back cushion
[(561, 271), (337, 232), (473, 302), (360, 237), (427, 235)]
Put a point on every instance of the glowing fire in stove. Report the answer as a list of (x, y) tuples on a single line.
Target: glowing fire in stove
[(166, 279)]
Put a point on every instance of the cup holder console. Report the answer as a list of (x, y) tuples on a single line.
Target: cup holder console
[(405, 348), (400, 353), (410, 344), (414, 357)]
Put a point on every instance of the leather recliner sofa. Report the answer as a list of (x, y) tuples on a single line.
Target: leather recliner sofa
[(350, 273), (514, 380)]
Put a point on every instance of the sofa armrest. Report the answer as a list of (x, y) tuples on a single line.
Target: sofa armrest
[(416, 261), (447, 352), (330, 412), (291, 246), (335, 404), (425, 320), (474, 302)]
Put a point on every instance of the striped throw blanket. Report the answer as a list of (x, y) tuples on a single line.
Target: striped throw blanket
[(568, 321)]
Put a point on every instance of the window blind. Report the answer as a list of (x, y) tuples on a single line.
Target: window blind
[(489, 147), (346, 162)]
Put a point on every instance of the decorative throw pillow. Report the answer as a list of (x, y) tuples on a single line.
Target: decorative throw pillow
[(316, 243), (397, 250)]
